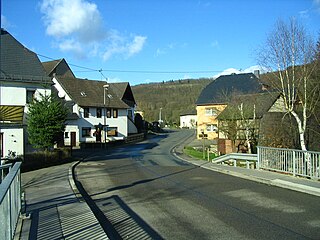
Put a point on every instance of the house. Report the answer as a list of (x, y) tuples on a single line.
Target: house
[(215, 97), (100, 111), (240, 122), (22, 78), (188, 120)]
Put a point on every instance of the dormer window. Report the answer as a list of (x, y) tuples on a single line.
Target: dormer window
[(86, 112)]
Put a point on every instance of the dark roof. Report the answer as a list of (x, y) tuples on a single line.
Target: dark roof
[(218, 91), (19, 63), (186, 113), (58, 67), (90, 93), (259, 103)]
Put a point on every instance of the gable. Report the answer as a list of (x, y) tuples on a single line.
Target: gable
[(58, 67), (253, 105)]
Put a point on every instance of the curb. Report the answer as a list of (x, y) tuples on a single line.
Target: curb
[(72, 183)]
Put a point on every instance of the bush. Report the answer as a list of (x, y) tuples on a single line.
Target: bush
[(42, 159)]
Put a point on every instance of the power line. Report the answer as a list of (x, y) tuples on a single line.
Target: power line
[(87, 69)]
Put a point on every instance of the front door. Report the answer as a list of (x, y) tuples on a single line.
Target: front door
[(98, 135), (73, 139)]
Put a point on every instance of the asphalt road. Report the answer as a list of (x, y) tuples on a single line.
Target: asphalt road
[(143, 192)]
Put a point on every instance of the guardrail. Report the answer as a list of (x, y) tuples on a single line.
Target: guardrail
[(237, 159), (295, 162), (10, 201)]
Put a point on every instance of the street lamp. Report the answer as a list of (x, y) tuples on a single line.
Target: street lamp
[(105, 87)]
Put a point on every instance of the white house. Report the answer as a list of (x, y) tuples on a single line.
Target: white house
[(188, 121), (22, 77), (101, 111)]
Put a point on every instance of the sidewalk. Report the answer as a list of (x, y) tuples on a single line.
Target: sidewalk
[(262, 176), (56, 213)]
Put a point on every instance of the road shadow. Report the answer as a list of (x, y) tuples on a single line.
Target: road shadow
[(126, 222)]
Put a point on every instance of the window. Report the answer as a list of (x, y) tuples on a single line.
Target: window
[(99, 112), (211, 112), (86, 132), (112, 131), (1, 144), (66, 134), (86, 112), (212, 128), (130, 113), (30, 95), (108, 112), (115, 113)]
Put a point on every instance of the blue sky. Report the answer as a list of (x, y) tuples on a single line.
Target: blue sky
[(140, 41)]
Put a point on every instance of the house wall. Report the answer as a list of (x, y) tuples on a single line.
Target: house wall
[(121, 123), (204, 120), (188, 121), (15, 137), (12, 141)]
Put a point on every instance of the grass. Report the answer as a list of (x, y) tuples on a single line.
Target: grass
[(190, 151)]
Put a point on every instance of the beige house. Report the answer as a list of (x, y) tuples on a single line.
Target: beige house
[(215, 97), (240, 122)]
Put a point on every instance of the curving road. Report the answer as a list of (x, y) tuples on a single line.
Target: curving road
[(143, 192)]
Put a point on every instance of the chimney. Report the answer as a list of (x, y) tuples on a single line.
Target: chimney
[(257, 73)]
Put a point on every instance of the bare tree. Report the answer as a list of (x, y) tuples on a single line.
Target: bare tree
[(289, 55)]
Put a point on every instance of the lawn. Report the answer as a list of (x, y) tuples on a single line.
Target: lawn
[(190, 151)]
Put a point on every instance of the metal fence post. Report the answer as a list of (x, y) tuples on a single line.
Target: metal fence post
[(258, 156), (294, 163)]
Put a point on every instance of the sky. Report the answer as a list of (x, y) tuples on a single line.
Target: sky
[(142, 41)]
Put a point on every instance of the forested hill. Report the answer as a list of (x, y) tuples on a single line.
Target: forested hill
[(174, 97)]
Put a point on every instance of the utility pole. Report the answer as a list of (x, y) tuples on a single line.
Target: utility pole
[(105, 87)]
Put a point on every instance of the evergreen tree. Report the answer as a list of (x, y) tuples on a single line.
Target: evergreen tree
[(46, 121)]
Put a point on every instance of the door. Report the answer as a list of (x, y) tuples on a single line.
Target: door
[(73, 139)]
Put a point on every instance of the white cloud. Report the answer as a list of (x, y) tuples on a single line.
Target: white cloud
[(136, 45), (251, 69), (124, 46), (304, 14), (67, 17), (77, 27), (70, 45), (4, 22)]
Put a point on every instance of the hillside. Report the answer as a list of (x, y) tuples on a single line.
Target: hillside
[(174, 97)]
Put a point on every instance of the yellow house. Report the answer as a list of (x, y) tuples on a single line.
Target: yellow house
[(215, 97), (207, 120)]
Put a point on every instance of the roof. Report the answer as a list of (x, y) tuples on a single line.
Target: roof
[(90, 93), (18, 63), (58, 67), (220, 89), (258, 103)]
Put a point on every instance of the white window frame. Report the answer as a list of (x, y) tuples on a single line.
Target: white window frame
[(212, 128), (211, 112)]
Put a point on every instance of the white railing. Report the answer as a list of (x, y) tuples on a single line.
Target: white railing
[(10, 201), (238, 158), (295, 162)]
